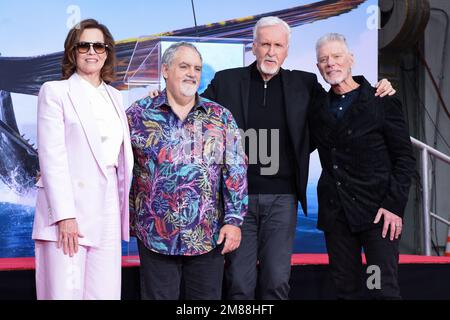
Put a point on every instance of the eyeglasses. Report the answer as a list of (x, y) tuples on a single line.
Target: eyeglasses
[(84, 47)]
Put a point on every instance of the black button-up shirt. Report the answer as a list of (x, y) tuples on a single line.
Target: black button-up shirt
[(339, 103)]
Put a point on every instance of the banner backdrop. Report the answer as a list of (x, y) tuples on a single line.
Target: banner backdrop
[(32, 35)]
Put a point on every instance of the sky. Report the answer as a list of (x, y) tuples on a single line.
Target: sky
[(36, 27), (29, 27)]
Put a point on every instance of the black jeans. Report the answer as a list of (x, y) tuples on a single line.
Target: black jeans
[(261, 267), (344, 251), (163, 277)]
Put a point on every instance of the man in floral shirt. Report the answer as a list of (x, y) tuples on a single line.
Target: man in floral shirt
[(189, 192)]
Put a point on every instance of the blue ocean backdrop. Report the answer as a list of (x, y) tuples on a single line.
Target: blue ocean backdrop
[(16, 222)]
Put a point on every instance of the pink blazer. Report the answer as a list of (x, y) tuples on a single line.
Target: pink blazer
[(73, 175)]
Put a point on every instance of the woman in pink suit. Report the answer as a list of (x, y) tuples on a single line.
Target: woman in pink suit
[(86, 161)]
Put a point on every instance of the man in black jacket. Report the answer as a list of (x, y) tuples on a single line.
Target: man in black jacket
[(271, 104), (367, 163), (274, 103)]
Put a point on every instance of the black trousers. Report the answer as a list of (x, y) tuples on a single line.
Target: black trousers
[(261, 267), (351, 279), (164, 277)]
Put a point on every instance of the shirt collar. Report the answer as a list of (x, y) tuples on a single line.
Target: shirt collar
[(161, 100), (255, 74), (88, 83), (89, 86), (345, 96)]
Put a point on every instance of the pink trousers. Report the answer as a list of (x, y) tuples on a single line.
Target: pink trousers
[(93, 272)]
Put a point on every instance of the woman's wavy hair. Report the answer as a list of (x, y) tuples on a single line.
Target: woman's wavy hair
[(69, 63)]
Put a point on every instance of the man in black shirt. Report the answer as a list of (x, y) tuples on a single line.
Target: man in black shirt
[(367, 164)]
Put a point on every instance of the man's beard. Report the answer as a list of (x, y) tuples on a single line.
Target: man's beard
[(334, 81), (337, 80), (188, 90), (268, 70)]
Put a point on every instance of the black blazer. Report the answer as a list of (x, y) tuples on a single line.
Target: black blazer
[(230, 88), (367, 160)]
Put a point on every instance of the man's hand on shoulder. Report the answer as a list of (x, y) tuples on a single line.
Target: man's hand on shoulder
[(384, 88)]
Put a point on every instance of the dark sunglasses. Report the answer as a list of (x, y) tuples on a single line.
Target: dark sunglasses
[(84, 47)]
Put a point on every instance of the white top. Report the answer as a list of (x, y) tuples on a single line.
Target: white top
[(107, 119)]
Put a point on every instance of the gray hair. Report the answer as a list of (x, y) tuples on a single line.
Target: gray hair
[(170, 51), (271, 21), (331, 37)]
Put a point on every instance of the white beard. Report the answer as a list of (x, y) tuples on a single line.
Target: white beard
[(335, 80), (268, 70), (188, 90)]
